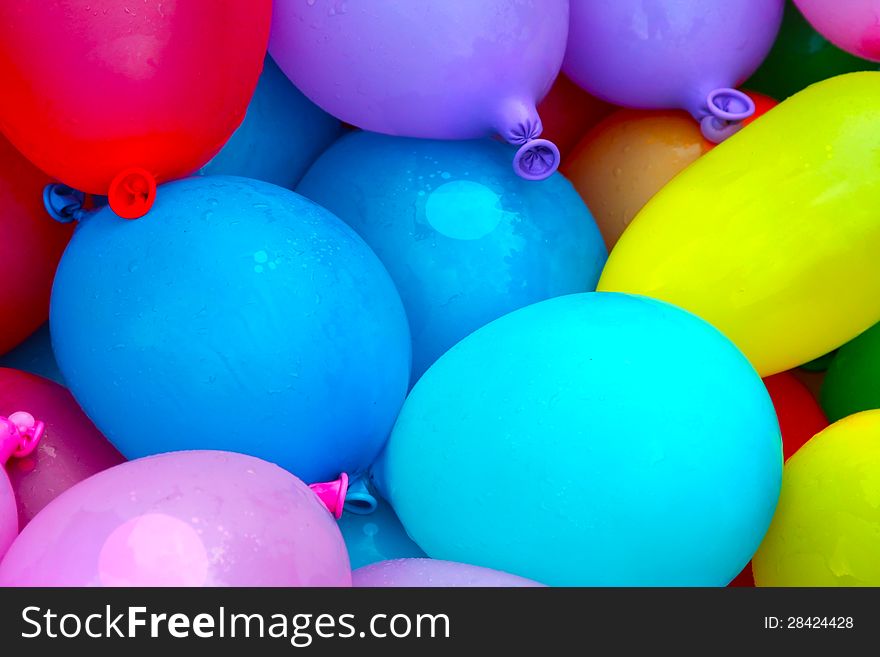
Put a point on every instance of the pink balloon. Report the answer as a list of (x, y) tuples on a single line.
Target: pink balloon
[(433, 573), (8, 515), (200, 518), (70, 450), (435, 69), (853, 25)]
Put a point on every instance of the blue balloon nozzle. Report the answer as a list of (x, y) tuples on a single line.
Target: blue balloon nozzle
[(360, 499)]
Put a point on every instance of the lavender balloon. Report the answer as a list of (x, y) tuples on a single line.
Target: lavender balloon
[(433, 573), (670, 54), (182, 519), (435, 69)]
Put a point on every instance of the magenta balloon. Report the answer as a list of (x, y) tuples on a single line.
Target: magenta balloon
[(197, 518), (70, 450), (673, 54), (8, 514), (434, 573), (436, 69), (853, 25)]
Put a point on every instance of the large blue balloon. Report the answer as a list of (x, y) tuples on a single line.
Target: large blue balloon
[(237, 316), (35, 355), (281, 135), (592, 439), (375, 537), (465, 239)]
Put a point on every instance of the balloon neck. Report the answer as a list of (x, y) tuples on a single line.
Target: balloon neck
[(132, 193), (332, 494), (724, 113), (519, 124), (19, 435), (65, 204), (360, 498)]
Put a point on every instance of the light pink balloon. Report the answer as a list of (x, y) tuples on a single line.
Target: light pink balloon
[(853, 25), (200, 518)]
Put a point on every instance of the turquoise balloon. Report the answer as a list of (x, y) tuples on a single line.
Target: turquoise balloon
[(281, 135), (465, 239), (595, 439), (375, 537)]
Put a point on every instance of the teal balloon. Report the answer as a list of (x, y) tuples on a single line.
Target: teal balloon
[(595, 439), (281, 134), (465, 239), (375, 537)]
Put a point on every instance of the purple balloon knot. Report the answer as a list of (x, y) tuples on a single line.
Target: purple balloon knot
[(524, 132), (537, 159), (726, 108)]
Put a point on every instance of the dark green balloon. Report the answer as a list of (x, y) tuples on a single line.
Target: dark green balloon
[(800, 57), (852, 383), (819, 364)]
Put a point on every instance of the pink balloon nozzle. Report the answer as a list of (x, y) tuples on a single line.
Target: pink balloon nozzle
[(332, 494), (19, 435), (727, 108)]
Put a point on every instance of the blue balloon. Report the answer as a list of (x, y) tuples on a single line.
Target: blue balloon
[(281, 135), (35, 355), (376, 537), (594, 439), (236, 316), (465, 239)]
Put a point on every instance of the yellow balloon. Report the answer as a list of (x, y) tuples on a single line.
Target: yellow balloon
[(826, 531), (774, 235)]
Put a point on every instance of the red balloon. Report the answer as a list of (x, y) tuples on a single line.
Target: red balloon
[(70, 450), (568, 112), (763, 104), (112, 97), (800, 418), (31, 244)]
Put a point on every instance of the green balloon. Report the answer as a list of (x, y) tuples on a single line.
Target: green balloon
[(852, 383), (800, 57), (819, 364)]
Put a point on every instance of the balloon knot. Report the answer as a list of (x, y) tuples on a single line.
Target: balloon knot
[(132, 193), (360, 498), (536, 159), (524, 131), (64, 204), (726, 108), (19, 435), (332, 494)]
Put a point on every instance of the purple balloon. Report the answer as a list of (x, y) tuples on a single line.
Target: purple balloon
[(433, 573), (435, 69), (198, 518), (673, 54)]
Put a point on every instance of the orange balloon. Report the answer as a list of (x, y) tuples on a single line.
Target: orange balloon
[(625, 159), (568, 112)]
